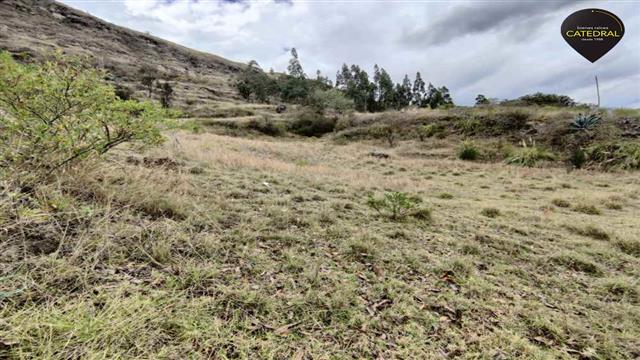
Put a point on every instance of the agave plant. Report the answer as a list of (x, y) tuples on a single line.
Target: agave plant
[(585, 122)]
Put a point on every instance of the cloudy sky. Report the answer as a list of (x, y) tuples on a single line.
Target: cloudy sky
[(502, 49)]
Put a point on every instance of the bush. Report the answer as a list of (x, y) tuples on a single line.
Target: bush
[(310, 123), (57, 113), (468, 151), (530, 156), (587, 209), (395, 204), (615, 155), (561, 203), (267, 126), (547, 99), (430, 130), (330, 100), (490, 212), (123, 92)]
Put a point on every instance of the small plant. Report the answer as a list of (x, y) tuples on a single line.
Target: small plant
[(591, 231), (397, 205), (490, 212), (387, 132), (430, 130), (587, 209), (616, 155), (468, 151), (578, 158), (576, 262), (561, 203), (585, 122), (530, 155), (445, 196)]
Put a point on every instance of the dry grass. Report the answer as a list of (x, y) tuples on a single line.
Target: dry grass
[(269, 250)]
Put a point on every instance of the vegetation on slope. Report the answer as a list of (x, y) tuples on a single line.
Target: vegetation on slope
[(213, 246)]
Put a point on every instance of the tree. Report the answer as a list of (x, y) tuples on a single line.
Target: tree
[(166, 94), (59, 112), (418, 91), (295, 68), (386, 92), (437, 97), (403, 93), (482, 100), (343, 76), (330, 100), (254, 84), (293, 89)]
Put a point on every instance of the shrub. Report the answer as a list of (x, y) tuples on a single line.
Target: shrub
[(430, 130), (385, 131), (547, 99), (616, 155), (530, 156), (57, 113), (394, 204), (470, 126), (619, 289), (330, 100), (591, 231), (578, 158), (587, 209), (310, 123), (512, 120), (267, 126), (629, 246), (468, 151), (490, 212), (561, 203), (577, 262), (123, 92)]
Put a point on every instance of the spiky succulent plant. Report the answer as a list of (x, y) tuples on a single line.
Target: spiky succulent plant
[(585, 122)]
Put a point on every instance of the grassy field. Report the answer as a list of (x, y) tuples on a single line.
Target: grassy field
[(230, 247)]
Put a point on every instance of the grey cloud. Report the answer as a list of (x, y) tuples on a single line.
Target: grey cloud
[(482, 17)]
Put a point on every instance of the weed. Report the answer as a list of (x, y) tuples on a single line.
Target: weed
[(588, 209), (468, 151), (490, 212), (530, 156), (561, 203), (577, 262), (445, 196), (629, 246), (430, 130), (395, 204), (591, 231), (619, 289)]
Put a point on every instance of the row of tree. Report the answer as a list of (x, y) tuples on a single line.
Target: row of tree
[(372, 95)]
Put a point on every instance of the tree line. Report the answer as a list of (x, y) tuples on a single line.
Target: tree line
[(378, 93)]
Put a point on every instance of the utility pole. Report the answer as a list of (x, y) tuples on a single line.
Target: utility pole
[(598, 90)]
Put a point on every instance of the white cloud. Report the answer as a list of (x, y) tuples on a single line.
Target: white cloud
[(519, 53)]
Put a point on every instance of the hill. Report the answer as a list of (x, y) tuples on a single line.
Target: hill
[(423, 233), (31, 29)]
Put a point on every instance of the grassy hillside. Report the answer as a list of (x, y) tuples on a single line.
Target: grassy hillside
[(33, 29), (214, 246), (451, 233)]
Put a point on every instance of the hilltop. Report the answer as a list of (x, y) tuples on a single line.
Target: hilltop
[(31, 29)]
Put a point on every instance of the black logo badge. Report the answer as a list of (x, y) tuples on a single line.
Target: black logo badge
[(592, 32)]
